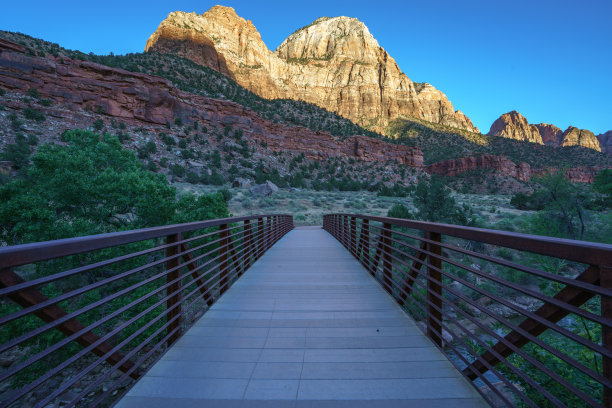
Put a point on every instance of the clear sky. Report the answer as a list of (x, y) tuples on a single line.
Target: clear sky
[(550, 60)]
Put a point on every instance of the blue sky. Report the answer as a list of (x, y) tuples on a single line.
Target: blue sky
[(550, 60)]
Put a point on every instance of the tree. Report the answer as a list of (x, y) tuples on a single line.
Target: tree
[(603, 185), (434, 202), (93, 185), (565, 212)]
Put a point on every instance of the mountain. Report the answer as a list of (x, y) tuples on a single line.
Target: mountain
[(513, 125), (334, 63), (605, 141), (194, 124)]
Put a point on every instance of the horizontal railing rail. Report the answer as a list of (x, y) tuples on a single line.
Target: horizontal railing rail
[(527, 319), (82, 318)]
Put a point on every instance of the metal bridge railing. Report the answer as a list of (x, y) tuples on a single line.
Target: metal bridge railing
[(527, 319), (82, 318)]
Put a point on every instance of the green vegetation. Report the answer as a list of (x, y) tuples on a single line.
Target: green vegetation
[(90, 186)]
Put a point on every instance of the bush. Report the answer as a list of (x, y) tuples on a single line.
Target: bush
[(226, 194), (177, 170), (34, 114), (33, 93), (168, 140), (18, 153), (192, 177), (98, 124), (178, 122)]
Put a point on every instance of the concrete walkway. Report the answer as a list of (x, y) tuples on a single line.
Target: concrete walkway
[(306, 326)]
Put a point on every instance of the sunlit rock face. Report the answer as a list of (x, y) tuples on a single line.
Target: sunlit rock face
[(513, 125), (334, 63)]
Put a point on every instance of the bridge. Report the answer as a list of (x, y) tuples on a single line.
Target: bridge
[(252, 312)]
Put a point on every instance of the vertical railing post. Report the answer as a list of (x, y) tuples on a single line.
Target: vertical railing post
[(248, 245), (260, 238), (434, 289), (353, 240), (268, 233), (605, 280), (365, 244), (223, 265), (173, 303), (386, 255)]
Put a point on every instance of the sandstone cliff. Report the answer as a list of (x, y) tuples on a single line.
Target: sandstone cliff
[(513, 125), (334, 63), (82, 90), (521, 171), (551, 135), (580, 137), (605, 141)]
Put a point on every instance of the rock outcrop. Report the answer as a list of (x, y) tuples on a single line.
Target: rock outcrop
[(334, 63), (605, 141), (580, 137), (513, 125), (521, 171), (454, 167), (78, 88), (551, 135)]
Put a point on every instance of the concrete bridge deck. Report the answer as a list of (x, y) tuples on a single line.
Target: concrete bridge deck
[(306, 326)]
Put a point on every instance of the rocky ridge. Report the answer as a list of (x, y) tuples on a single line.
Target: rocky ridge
[(334, 63), (522, 171), (513, 125), (80, 88), (605, 141)]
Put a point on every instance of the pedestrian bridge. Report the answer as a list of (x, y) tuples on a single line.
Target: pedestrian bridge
[(251, 312)]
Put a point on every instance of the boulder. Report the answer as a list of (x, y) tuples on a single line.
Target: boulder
[(266, 189)]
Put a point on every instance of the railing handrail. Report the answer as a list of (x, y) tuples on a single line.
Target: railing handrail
[(16, 255), (573, 250), (438, 284)]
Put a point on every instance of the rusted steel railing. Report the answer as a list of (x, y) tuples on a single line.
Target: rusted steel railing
[(527, 319), (82, 318)]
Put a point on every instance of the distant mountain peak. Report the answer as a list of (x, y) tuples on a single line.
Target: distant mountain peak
[(334, 62)]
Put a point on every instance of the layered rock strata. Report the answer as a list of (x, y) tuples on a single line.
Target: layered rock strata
[(82, 86), (334, 63)]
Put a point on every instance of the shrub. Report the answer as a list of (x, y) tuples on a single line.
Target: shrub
[(177, 170), (98, 124), (34, 114), (168, 140), (192, 177), (33, 93), (178, 122)]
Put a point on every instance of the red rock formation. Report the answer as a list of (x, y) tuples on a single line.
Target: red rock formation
[(551, 135), (513, 125), (138, 98), (500, 163), (605, 141), (522, 171)]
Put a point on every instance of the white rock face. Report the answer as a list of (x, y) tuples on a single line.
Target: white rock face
[(334, 63)]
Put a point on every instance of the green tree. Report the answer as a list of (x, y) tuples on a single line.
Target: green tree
[(565, 213), (92, 185), (434, 202), (603, 185)]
